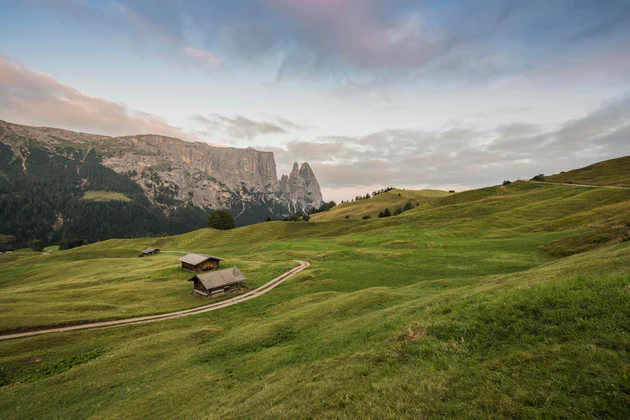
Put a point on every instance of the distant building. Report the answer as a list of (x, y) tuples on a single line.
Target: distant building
[(218, 283), (199, 262), (149, 251)]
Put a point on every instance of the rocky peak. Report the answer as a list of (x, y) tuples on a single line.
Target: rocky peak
[(301, 187)]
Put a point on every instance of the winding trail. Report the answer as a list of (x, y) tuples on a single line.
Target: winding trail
[(169, 315)]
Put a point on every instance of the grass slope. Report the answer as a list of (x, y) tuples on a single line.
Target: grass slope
[(374, 205), (453, 309), (614, 172), (105, 196)]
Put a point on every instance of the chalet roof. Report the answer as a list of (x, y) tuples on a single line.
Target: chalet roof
[(220, 278), (194, 259), (149, 250)]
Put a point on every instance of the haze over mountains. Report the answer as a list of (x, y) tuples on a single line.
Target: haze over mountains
[(164, 173)]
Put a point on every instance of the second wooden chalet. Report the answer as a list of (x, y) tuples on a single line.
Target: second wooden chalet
[(199, 262), (218, 283)]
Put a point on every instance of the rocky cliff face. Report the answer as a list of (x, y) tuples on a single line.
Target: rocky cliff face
[(301, 187), (172, 171)]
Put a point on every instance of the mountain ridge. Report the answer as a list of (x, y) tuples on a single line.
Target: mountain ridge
[(173, 174)]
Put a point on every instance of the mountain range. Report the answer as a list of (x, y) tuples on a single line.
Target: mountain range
[(164, 184)]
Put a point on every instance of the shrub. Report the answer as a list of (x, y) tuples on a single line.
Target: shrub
[(221, 219), (37, 245), (539, 178), (71, 243), (366, 217), (347, 217), (507, 182)]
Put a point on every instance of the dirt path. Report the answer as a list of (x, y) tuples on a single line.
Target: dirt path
[(582, 185), (170, 315)]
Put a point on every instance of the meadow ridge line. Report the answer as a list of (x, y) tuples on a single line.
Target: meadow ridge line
[(582, 185), (170, 315)]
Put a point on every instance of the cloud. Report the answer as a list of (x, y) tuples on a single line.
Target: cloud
[(362, 42), (462, 156), (34, 98), (239, 127), (160, 35)]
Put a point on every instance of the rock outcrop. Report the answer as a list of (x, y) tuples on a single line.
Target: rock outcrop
[(301, 187), (172, 171)]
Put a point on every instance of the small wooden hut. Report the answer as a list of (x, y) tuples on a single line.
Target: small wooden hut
[(199, 262), (149, 251), (218, 283)]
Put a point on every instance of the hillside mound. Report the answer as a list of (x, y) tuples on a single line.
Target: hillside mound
[(373, 206), (613, 172)]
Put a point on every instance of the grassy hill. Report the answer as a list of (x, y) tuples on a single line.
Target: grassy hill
[(614, 172), (371, 207), (457, 308)]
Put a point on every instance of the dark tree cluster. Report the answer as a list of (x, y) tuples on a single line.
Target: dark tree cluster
[(399, 210), (296, 217), (368, 195), (221, 219), (324, 207)]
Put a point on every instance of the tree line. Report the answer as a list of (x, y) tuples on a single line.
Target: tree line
[(44, 203)]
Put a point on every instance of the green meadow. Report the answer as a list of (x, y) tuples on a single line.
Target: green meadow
[(105, 196), (503, 302)]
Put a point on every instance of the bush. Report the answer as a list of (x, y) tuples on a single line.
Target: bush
[(268, 219), (72, 243), (221, 219), (507, 182), (451, 191), (539, 178), (306, 217), (347, 217), (366, 217), (37, 245)]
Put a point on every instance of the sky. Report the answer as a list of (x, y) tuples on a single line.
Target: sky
[(448, 94)]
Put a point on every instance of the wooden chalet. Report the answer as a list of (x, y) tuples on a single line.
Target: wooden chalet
[(149, 251), (217, 283), (199, 262)]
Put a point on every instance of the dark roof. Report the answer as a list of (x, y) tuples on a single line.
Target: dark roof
[(194, 259), (149, 250), (220, 278)]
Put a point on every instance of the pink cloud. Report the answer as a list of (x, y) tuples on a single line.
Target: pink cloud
[(201, 56), (34, 98), (357, 31)]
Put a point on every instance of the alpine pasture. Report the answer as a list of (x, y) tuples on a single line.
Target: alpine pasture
[(510, 301)]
